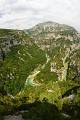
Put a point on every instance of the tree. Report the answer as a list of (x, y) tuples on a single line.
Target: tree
[(2, 54)]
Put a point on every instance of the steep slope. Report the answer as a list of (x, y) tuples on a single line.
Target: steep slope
[(10, 38), (60, 42), (50, 34), (21, 57), (39, 69), (61, 75)]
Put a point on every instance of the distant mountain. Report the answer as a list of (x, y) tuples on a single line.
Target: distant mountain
[(49, 34)]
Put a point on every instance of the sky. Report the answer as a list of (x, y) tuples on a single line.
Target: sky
[(23, 14)]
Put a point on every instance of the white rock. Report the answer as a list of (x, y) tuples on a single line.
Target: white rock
[(13, 117)]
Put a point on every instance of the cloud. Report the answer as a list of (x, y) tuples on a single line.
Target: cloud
[(22, 14)]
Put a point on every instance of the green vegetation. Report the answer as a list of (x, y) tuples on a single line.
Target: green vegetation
[(18, 65), (43, 78), (46, 75)]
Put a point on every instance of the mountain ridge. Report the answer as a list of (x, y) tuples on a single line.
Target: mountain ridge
[(45, 34)]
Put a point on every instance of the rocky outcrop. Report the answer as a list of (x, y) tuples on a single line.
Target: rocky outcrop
[(49, 34), (11, 38), (13, 117)]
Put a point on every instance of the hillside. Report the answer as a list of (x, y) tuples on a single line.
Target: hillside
[(60, 42), (20, 59), (10, 38), (50, 34), (40, 72)]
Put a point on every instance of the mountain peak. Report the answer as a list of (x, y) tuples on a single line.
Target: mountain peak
[(48, 23), (50, 26)]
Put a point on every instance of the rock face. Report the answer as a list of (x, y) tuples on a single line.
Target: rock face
[(50, 34), (59, 41), (10, 38), (13, 117)]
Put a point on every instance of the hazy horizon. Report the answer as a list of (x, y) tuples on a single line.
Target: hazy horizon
[(24, 14)]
